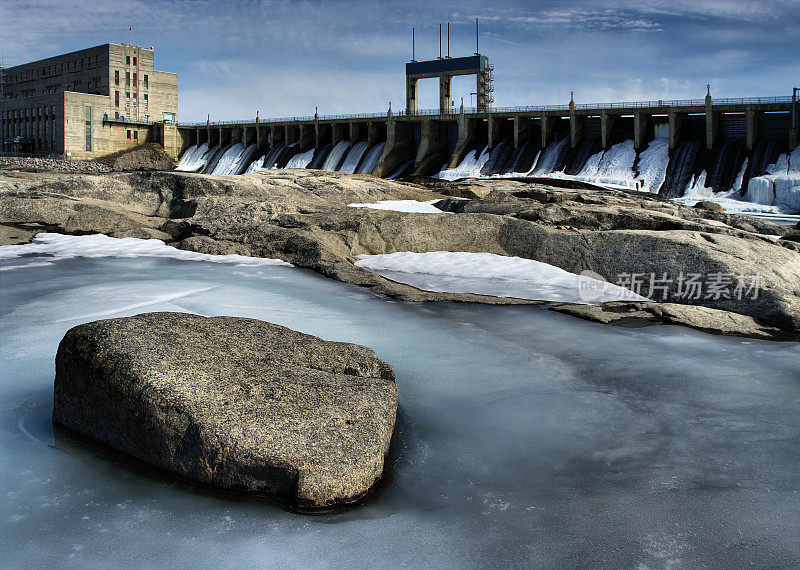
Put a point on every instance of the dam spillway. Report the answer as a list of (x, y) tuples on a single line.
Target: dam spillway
[(658, 146)]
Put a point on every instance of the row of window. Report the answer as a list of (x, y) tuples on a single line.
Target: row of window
[(47, 110), (129, 117), (53, 69), (145, 79), (128, 60)]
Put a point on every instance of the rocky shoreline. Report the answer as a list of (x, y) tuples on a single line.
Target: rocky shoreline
[(301, 216)]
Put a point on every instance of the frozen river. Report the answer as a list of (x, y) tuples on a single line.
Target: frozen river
[(526, 438)]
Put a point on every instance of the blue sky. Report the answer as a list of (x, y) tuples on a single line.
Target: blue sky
[(284, 58)]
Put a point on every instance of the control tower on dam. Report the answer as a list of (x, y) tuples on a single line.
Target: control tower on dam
[(429, 139)]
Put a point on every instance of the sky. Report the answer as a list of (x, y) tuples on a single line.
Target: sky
[(285, 58)]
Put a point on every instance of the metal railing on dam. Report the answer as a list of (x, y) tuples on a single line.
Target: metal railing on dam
[(673, 103)]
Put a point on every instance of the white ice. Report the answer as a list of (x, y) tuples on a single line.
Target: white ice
[(490, 274), (55, 247), (414, 206), (780, 186)]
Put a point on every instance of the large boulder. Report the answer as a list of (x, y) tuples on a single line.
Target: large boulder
[(235, 403)]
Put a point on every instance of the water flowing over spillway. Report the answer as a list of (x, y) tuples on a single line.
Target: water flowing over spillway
[(336, 155), (689, 172), (256, 165), (354, 157), (214, 156), (319, 157), (371, 159), (498, 158), (652, 167), (680, 169), (245, 159), (551, 157), (227, 161), (193, 159), (300, 160), (470, 166)]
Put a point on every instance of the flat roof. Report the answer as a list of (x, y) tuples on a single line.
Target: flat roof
[(472, 63)]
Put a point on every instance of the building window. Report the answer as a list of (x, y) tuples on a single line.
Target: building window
[(116, 77), (127, 98), (145, 81), (136, 135), (129, 134), (134, 100), (128, 62), (145, 101), (134, 60), (88, 110), (116, 115), (127, 78), (127, 116), (116, 98), (134, 80), (135, 117)]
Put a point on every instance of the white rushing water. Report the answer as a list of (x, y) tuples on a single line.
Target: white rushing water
[(301, 160), (193, 159), (470, 166), (653, 163), (548, 157), (354, 157), (256, 165), (525, 438), (244, 159), (228, 160), (334, 158), (371, 159)]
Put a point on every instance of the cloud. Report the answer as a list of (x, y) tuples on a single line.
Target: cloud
[(283, 58)]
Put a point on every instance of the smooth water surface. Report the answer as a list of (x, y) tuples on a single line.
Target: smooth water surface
[(527, 438)]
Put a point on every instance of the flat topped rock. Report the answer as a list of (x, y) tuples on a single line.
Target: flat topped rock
[(235, 403)]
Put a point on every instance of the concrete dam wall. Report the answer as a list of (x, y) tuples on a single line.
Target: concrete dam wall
[(662, 147)]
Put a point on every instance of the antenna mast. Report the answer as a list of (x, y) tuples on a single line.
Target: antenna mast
[(477, 51), (440, 41), (413, 46), (448, 40)]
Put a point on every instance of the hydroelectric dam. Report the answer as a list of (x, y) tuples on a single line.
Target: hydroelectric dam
[(667, 147)]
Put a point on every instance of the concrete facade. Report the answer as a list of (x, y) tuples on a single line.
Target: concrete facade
[(87, 103)]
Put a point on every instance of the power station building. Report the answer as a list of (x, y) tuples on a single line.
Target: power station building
[(87, 103)]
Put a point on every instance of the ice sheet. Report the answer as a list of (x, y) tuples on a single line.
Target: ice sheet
[(489, 274), (526, 438), (53, 247), (403, 206)]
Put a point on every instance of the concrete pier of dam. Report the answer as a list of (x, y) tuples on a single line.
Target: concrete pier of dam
[(434, 138)]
